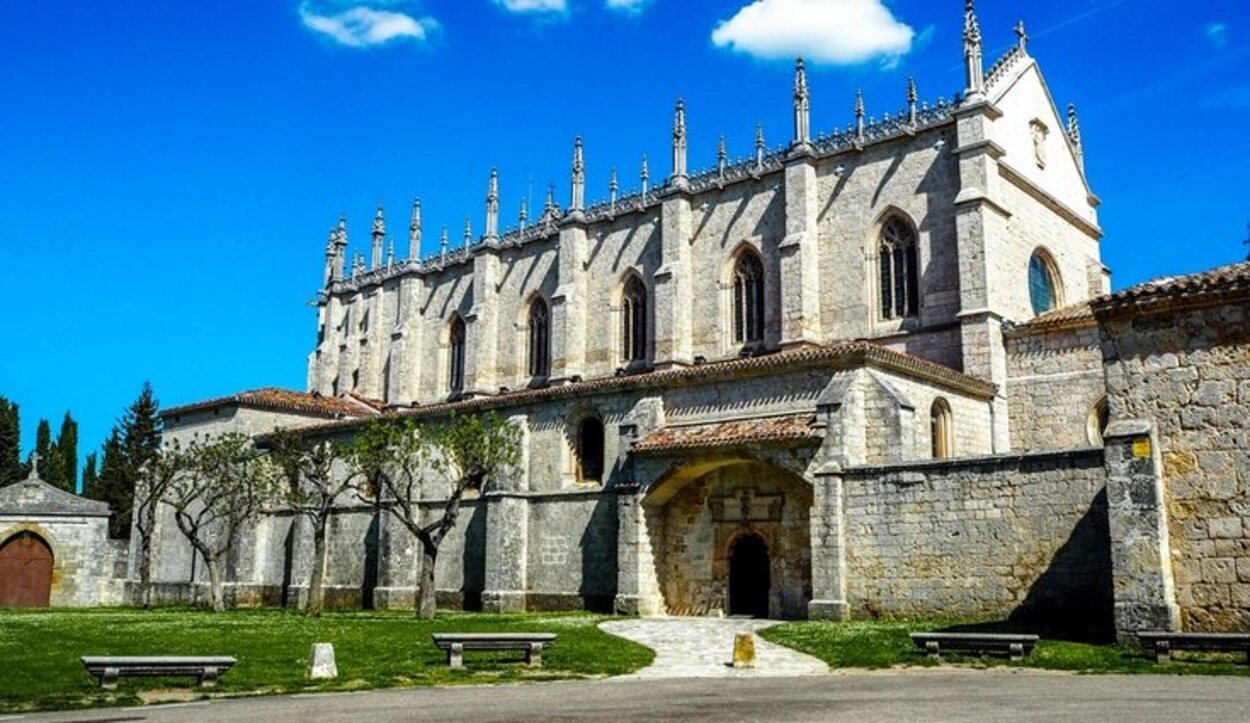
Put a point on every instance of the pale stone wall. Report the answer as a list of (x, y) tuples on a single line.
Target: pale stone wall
[(1188, 370), (1018, 536), (1055, 380), (87, 567)]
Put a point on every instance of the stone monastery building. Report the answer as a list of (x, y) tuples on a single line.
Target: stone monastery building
[(867, 374)]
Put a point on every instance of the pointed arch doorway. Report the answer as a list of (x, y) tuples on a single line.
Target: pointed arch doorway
[(750, 576), (25, 572)]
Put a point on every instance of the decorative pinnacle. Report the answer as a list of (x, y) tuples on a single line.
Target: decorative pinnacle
[(1074, 125), (578, 197), (492, 190), (390, 252), (972, 29), (524, 213), (492, 205), (644, 174), (800, 80), (414, 231), (802, 106), (468, 232), (911, 101), (679, 142), (613, 187), (722, 156), (442, 243), (1022, 37), (859, 114), (549, 206), (379, 222), (679, 120), (379, 232)]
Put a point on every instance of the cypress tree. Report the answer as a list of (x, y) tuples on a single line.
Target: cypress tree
[(43, 448), (135, 440), (141, 432), (67, 454), (10, 443), (112, 486), (90, 480)]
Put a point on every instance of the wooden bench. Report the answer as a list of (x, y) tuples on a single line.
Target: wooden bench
[(531, 643), (1163, 643), (109, 669), (1015, 645)]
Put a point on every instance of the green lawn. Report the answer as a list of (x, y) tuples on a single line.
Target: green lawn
[(885, 644), (40, 650)]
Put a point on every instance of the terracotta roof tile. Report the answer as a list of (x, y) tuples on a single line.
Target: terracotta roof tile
[(283, 400), (1065, 317), (793, 428), (1220, 280)]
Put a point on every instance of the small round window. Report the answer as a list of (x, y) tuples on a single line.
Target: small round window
[(1042, 287)]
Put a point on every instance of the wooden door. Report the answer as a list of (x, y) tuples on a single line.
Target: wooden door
[(25, 572)]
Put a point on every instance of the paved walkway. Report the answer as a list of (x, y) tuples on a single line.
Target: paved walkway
[(689, 647)]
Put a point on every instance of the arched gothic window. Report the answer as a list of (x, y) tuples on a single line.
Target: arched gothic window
[(540, 339), (1044, 286), (634, 320), (455, 355), (748, 289), (900, 285), (590, 449), (1099, 418), (940, 428)]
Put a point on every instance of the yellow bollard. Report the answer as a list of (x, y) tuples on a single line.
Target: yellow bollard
[(744, 650)]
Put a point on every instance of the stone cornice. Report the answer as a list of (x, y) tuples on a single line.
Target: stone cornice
[(1039, 194)]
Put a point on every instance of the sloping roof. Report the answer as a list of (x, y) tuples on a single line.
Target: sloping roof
[(791, 428), (32, 496), (1213, 284), (1065, 317), (284, 400)]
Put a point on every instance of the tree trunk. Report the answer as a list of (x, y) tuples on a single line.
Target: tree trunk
[(217, 597), (316, 591), (145, 570), (427, 603)]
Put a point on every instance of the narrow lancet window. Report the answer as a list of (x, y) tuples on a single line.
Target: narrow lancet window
[(539, 339), (634, 321), (900, 283), (940, 428), (455, 355), (748, 299)]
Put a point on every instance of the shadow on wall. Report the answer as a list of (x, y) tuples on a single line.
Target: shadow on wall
[(372, 542), (1073, 598), (599, 564), (474, 560)]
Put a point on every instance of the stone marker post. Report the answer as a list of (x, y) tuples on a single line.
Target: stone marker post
[(321, 665)]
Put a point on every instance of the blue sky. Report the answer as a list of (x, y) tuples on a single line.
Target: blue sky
[(169, 171)]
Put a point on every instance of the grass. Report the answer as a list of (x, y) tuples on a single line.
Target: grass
[(41, 650), (885, 644)]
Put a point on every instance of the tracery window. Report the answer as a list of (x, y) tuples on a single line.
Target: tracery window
[(634, 320), (590, 449), (900, 284), (748, 300), (940, 428), (539, 339), (455, 355), (1043, 283)]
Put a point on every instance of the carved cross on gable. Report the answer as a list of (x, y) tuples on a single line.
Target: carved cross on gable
[(34, 465)]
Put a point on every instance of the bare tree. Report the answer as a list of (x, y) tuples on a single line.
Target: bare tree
[(400, 459), (226, 484), (155, 477), (311, 488)]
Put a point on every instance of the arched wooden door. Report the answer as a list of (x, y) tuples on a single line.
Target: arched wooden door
[(25, 572)]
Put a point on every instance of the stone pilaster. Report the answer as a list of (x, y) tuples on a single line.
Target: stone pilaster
[(507, 552), (637, 586), (673, 295), (1141, 563), (406, 342), (568, 303), (839, 411), (800, 269), (481, 346)]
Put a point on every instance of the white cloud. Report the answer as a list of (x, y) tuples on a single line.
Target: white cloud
[(840, 32), (632, 7), (361, 26), (1217, 33), (534, 6)]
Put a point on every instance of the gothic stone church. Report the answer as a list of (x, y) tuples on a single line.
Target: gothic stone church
[(875, 372)]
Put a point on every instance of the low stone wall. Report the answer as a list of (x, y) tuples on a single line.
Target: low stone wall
[(1020, 536)]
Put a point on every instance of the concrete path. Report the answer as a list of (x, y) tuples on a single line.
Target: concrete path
[(887, 697), (689, 647)]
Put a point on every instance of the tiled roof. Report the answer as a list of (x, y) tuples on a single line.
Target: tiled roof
[(1065, 317), (1213, 285), (284, 400), (838, 355), (792, 428)]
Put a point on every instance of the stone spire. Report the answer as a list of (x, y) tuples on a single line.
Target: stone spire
[(859, 116), (644, 174), (679, 142), (1074, 135), (759, 146), (358, 266), (577, 199), (442, 246), (523, 215), (911, 101), (722, 157), (414, 231), (379, 233), (974, 71), (1022, 37), (468, 233), (390, 252), (802, 106), (614, 186), (338, 239), (492, 206), (550, 209)]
